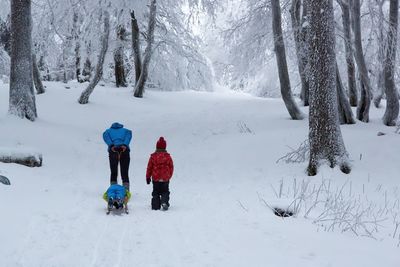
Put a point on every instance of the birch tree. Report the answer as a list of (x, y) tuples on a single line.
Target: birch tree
[(280, 53), (22, 96), (392, 97), (325, 137)]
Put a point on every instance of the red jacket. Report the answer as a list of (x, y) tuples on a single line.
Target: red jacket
[(160, 167)]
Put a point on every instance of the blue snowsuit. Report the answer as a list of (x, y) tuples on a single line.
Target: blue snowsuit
[(117, 135), (116, 192)]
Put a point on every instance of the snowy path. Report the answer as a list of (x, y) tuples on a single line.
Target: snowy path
[(225, 149)]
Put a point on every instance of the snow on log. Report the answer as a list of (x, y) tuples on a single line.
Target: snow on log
[(21, 156)]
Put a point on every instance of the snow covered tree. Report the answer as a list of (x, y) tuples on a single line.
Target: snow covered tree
[(22, 95), (299, 24), (84, 98), (280, 53), (325, 137), (366, 90), (119, 67), (351, 70), (392, 106), (139, 88), (381, 54), (344, 107), (136, 46)]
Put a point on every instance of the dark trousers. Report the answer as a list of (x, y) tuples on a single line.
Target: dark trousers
[(123, 159), (160, 195)]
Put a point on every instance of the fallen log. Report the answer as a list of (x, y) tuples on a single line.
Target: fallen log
[(23, 157)]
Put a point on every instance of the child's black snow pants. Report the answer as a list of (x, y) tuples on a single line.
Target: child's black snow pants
[(160, 195)]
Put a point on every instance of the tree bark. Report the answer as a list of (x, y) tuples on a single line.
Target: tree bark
[(344, 107), (381, 57), (351, 73), (366, 90), (76, 33), (5, 35), (280, 53), (392, 97), (136, 46), (299, 33), (36, 76), (325, 137), (119, 68), (22, 95), (84, 98), (139, 88)]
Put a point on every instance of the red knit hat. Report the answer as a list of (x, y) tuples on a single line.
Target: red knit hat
[(161, 143)]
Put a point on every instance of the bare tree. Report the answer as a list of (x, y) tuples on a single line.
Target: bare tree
[(392, 106), (325, 137), (299, 32), (280, 53), (36, 76), (136, 46), (351, 73), (119, 67), (366, 90), (381, 55), (84, 98), (22, 95), (344, 108), (139, 88), (76, 33)]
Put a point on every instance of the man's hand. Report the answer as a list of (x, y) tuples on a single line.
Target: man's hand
[(148, 180), (123, 148), (113, 149)]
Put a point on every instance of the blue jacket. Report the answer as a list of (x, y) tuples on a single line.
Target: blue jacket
[(116, 191), (117, 135)]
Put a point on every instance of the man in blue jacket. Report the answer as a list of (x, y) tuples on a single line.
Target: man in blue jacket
[(117, 139)]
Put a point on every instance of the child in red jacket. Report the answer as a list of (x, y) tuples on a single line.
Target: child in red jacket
[(160, 168)]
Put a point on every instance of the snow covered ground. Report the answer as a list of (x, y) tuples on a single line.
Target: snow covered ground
[(225, 147)]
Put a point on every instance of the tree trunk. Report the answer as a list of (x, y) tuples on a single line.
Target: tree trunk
[(366, 91), (299, 33), (136, 47), (139, 88), (76, 33), (280, 53), (22, 95), (87, 70), (84, 98), (36, 76), (351, 73), (325, 137), (392, 97), (5, 35), (381, 57), (344, 108), (119, 68)]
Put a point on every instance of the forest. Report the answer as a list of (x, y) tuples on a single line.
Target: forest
[(272, 108)]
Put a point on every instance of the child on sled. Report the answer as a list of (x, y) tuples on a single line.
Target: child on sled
[(117, 197)]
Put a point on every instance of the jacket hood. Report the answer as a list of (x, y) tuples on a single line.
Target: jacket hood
[(117, 125)]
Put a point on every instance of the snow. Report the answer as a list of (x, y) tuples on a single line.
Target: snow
[(225, 147)]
